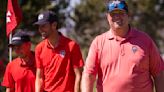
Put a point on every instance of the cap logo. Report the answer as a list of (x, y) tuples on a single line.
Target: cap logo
[(116, 2), (16, 38), (40, 17)]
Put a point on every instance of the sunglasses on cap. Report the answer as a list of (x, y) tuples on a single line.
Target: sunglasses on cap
[(117, 5)]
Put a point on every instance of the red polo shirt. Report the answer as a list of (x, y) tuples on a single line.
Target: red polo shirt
[(21, 78), (124, 65), (58, 64)]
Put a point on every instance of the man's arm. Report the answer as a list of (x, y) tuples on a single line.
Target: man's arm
[(10, 89), (39, 80), (78, 74), (159, 82), (87, 82)]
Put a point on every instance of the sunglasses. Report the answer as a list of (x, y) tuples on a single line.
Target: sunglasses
[(117, 5)]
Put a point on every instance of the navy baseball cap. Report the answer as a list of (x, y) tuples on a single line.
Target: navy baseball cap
[(46, 17), (19, 38), (117, 5)]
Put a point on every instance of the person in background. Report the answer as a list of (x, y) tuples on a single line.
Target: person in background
[(58, 59), (20, 72), (124, 59)]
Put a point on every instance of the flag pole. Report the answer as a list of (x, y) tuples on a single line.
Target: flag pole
[(13, 19), (10, 48)]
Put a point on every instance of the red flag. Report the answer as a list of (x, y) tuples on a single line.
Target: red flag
[(13, 16)]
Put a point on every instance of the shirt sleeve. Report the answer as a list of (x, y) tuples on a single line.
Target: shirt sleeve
[(76, 56), (8, 80), (37, 57), (91, 64), (156, 61)]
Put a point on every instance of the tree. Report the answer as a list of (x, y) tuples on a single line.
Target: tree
[(148, 16), (30, 9), (90, 19), (3, 42)]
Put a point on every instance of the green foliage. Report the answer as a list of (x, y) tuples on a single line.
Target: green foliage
[(30, 10), (90, 19), (145, 15), (2, 26)]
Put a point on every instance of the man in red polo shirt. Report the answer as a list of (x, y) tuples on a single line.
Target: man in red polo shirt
[(58, 59), (125, 59), (20, 72)]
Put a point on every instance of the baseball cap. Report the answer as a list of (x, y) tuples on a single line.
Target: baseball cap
[(19, 38), (117, 5), (46, 17)]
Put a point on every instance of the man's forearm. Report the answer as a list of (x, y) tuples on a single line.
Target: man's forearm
[(77, 84), (10, 90), (87, 83), (38, 85), (39, 81), (78, 74)]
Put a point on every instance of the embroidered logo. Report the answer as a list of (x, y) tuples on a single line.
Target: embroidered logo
[(116, 2), (40, 17), (134, 49), (62, 53)]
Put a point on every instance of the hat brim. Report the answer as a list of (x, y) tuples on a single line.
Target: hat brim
[(40, 23), (15, 43), (117, 10)]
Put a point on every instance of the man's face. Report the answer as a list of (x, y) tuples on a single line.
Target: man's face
[(45, 30), (22, 50), (118, 19)]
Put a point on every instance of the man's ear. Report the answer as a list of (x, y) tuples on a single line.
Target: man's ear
[(129, 14), (129, 17), (54, 24), (107, 16)]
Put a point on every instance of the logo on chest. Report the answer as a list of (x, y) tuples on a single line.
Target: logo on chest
[(134, 49), (62, 53)]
